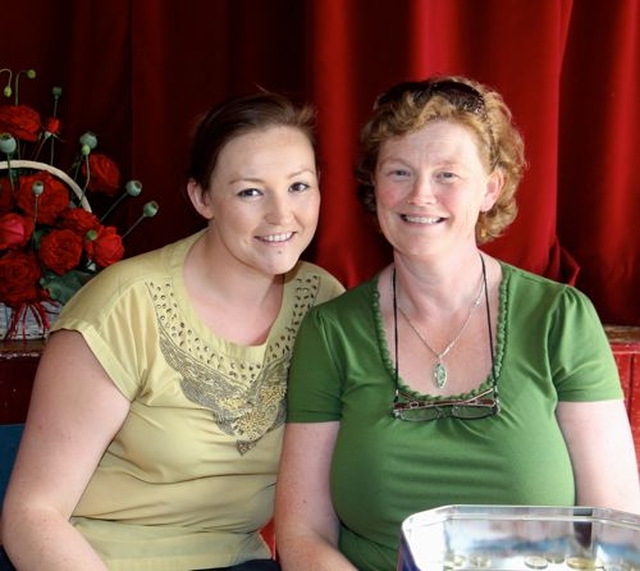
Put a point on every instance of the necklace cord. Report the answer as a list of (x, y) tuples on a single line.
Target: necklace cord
[(486, 297), (395, 326), (458, 335), (395, 330)]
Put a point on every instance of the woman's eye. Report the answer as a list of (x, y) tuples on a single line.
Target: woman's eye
[(250, 192), (446, 176), (399, 173), (299, 187)]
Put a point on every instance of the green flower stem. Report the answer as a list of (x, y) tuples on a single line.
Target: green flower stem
[(132, 188), (37, 189), (30, 73), (7, 89), (149, 210), (56, 92), (8, 145), (35, 217), (88, 178), (75, 168), (12, 175), (114, 205), (38, 149)]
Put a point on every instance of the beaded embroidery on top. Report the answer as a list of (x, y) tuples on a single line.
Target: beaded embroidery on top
[(247, 399)]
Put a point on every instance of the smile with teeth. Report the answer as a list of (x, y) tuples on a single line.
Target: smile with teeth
[(422, 219), (276, 237)]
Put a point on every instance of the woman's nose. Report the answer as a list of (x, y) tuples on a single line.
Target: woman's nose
[(422, 191), (280, 210)]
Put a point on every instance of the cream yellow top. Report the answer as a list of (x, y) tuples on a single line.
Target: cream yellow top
[(188, 481)]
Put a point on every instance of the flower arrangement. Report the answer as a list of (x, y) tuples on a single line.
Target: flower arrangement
[(51, 243)]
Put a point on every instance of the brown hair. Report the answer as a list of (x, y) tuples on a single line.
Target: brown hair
[(409, 106), (237, 116)]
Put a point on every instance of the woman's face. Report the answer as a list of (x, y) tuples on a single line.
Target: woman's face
[(263, 199), (430, 186)]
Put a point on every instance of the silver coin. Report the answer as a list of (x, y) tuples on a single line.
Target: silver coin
[(536, 562), (480, 560), (554, 557)]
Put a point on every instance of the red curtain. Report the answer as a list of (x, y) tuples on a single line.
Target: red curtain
[(137, 73)]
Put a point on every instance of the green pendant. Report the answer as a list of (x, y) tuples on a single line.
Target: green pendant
[(440, 374)]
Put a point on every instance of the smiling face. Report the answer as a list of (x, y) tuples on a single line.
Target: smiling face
[(263, 200), (430, 186)]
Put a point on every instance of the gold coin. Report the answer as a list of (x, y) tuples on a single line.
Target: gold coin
[(536, 562), (581, 563)]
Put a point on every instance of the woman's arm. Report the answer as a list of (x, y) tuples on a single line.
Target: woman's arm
[(306, 524), (74, 412), (600, 443)]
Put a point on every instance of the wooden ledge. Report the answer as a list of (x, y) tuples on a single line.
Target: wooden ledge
[(17, 348), (623, 338)]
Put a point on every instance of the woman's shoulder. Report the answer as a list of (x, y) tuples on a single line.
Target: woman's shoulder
[(133, 274), (155, 261), (362, 295), (305, 268), (310, 275), (518, 277), (534, 289)]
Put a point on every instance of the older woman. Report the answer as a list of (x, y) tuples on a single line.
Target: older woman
[(450, 377)]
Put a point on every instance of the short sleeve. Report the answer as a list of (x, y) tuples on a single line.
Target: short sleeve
[(582, 363), (314, 391), (113, 316)]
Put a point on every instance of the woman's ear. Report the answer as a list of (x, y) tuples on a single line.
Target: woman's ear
[(495, 183), (200, 199)]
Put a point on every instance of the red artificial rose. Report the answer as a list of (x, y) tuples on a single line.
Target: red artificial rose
[(15, 230), (21, 121), (53, 126), (60, 250), (78, 220), (104, 175), (51, 202), (106, 248), (19, 275), (6, 195)]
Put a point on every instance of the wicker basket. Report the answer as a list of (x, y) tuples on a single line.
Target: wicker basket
[(35, 321)]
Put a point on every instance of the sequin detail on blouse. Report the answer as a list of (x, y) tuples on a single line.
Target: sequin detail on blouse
[(246, 398)]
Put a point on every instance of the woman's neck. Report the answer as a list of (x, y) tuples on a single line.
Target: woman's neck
[(443, 285), (235, 301)]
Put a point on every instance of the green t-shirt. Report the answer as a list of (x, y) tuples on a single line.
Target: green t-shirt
[(188, 480), (550, 346)]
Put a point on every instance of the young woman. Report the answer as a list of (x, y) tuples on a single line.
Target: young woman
[(155, 425)]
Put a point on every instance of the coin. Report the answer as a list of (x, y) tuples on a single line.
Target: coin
[(535, 562), (581, 563), (454, 561), (480, 560), (554, 557)]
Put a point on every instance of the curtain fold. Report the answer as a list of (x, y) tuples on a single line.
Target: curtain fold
[(349, 255), (137, 72), (599, 182)]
